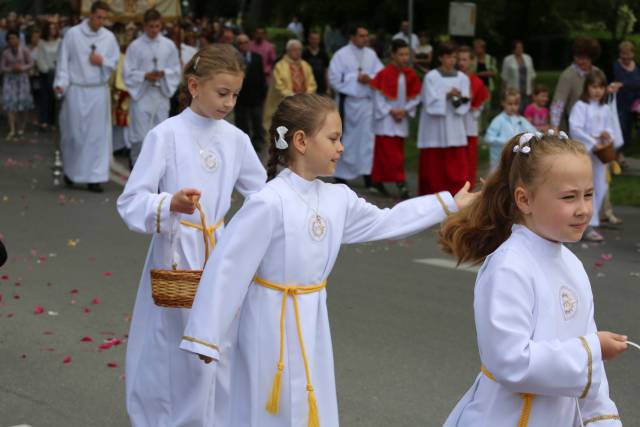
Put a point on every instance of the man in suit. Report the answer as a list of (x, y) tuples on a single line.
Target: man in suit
[(248, 109)]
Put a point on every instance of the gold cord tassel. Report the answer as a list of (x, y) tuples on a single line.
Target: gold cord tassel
[(314, 420), (273, 404)]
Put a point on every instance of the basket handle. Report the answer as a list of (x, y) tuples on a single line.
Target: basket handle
[(204, 230)]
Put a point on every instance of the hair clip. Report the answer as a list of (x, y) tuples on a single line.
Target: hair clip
[(281, 144), (195, 64), (524, 150), (520, 147), (551, 132), (563, 135)]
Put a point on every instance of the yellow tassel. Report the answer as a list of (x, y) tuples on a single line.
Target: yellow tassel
[(273, 404), (615, 168), (314, 420)]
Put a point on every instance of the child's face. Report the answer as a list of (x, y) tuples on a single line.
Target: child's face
[(401, 57), (541, 99), (325, 147), (596, 92), (13, 41), (448, 61), (511, 104), (464, 61), (560, 208), (216, 95)]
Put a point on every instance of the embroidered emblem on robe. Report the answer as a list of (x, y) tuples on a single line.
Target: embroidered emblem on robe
[(568, 302)]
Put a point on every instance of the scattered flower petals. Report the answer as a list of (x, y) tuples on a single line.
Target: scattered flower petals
[(86, 310), (86, 339), (606, 257), (38, 310), (112, 364), (17, 284), (73, 301), (598, 263), (0, 297), (4, 277), (96, 301), (10, 315), (16, 296), (48, 333), (105, 346), (73, 291), (52, 313), (107, 274), (66, 360)]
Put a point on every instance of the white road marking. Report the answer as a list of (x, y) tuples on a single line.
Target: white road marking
[(447, 263)]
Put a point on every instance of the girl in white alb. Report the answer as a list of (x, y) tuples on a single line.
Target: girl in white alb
[(195, 155), (271, 269), (540, 350)]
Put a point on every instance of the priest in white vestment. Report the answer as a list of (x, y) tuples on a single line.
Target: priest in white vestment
[(350, 70), (87, 57), (152, 73)]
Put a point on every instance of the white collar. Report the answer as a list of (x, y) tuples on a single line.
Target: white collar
[(198, 120), (299, 183), (538, 244)]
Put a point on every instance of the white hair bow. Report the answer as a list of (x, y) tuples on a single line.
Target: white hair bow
[(520, 147), (281, 144)]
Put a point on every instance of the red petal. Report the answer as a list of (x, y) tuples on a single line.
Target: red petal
[(67, 359), (115, 341), (95, 301), (38, 310), (105, 346), (112, 364), (4, 277), (86, 339), (16, 296), (107, 274), (0, 297), (599, 263), (10, 315), (74, 291), (87, 310), (17, 284), (48, 333)]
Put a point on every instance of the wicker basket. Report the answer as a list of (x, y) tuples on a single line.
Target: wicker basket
[(177, 288), (606, 154)]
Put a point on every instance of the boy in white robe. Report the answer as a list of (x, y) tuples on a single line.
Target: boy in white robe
[(351, 69), (195, 154), (152, 73), (271, 269), (87, 57)]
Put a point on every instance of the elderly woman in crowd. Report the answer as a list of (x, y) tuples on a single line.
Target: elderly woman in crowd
[(627, 72), (291, 75), (518, 73)]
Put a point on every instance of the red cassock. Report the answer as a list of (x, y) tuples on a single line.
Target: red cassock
[(388, 154), (479, 95)]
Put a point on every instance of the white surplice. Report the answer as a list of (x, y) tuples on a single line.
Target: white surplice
[(534, 317), (149, 100), (442, 125), (165, 386), (355, 101), (586, 122), (270, 238), (386, 125), (85, 117)]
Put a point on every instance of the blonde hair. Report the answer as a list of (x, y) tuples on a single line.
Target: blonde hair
[(626, 45), (306, 112), (476, 231), (210, 60)]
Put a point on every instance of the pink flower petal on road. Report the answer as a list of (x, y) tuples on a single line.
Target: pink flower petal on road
[(48, 333), (4, 277), (66, 360), (96, 301), (606, 257), (38, 310), (10, 315), (16, 296), (86, 339), (599, 263), (112, 364), (105, 346), (115, 341), (86, 310), (107, 274), (73, 291)]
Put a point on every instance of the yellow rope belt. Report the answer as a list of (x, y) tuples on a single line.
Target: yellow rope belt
[(526, 397), (293, 291), (210, 231)]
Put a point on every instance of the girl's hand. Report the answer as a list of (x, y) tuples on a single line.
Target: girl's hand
[(184, 201), (611, 344), (614, 87), (205, 359), (463, 198)]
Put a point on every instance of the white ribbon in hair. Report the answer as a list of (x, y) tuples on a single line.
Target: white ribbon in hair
[(195, 65), (281, 144), (563, 135), (520, 147)]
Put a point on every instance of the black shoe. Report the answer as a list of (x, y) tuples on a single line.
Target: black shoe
[(340, 181), (68, 182), (404, 191), (368, 183), (379, 188), (95, 188)]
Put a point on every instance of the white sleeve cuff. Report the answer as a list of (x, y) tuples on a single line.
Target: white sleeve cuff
[(198, 346), (165, 219), (595, 367)]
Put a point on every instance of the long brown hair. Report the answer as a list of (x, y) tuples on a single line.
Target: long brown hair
[(476, 231), (210, 60), (306, 112), (595, 77)]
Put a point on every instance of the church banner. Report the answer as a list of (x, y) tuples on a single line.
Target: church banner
[(132, 10)]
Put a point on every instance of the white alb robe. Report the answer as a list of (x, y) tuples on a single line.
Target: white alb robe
[(356, 107), (164, 385), (85, 117), (149, 100), (384, 124), (269, 237), (532, 305), (442, 125), (586, 122)]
